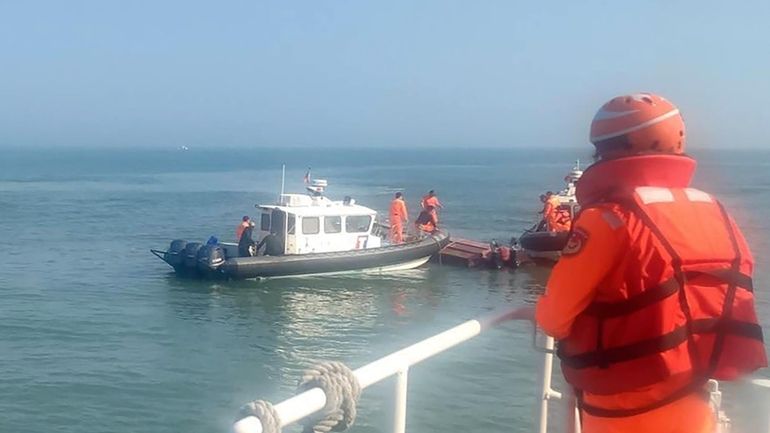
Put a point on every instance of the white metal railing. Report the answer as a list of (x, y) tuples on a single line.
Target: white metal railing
[(398, 363)]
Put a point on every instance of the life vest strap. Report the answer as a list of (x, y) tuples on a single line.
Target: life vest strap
[(695, 387), (648, 297), (663, 291), (608, 356)]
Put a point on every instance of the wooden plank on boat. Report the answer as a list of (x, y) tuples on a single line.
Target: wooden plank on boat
[(465, 252)]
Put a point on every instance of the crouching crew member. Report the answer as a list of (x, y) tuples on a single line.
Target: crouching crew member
[(426, 222)]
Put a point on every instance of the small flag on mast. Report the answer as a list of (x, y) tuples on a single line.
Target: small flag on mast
[(307, 176)]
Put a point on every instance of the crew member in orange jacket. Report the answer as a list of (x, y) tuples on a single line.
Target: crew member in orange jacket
[(432, 200), (245, 223), (398, 217), (653, 294), (557, 220)]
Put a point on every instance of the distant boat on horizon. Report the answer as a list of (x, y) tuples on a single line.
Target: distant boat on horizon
[(184, 148)]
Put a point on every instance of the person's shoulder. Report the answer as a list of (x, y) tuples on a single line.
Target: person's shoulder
[(601, 226), (609, 215)]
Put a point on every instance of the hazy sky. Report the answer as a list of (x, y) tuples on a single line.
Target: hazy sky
[(389, 73)]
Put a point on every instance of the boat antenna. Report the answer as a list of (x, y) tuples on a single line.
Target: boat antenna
[(283, 180)]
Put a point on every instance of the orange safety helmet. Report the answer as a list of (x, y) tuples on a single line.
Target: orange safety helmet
[(637, 123)]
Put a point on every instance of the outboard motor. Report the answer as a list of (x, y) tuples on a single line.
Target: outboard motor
[(210, 258), (191, 255), (174, 256)]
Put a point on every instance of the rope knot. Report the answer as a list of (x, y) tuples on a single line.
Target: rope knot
[(342, 391), (265, 412)]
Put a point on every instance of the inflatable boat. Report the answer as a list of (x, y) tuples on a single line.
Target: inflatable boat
[(540, 244), (310, 235)]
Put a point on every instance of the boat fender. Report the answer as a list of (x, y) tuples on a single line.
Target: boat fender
[(174, 256)]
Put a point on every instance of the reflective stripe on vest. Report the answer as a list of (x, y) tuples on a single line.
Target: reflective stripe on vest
[(699, 319)]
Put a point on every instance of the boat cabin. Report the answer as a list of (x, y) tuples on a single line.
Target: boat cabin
[(312, 223)]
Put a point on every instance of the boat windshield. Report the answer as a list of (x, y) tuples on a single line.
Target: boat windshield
[(358, 223)]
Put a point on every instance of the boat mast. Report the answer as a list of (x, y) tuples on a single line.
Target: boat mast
[(283, 180)]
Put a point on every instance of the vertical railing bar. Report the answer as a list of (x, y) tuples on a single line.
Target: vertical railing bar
[(545, 391), (399, 410), (576, 426)]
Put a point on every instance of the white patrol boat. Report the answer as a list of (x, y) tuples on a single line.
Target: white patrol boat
[(305, 234)]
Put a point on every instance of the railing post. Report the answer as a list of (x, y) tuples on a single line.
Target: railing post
[(546, 392), (399, 411), (573, 416)]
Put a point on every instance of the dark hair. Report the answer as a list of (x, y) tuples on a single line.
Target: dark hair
[(245, 218), (432, 192), (398, 195)]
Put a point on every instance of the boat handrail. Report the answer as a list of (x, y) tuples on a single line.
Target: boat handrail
[(397, 364)]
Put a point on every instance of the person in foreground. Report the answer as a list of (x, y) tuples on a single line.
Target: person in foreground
[(653, 293)]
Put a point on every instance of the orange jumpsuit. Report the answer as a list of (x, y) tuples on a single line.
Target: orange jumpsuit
[(398, 216), (594, 258)]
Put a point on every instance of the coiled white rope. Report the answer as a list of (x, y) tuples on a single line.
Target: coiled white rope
[(342, 391), (265, 412)]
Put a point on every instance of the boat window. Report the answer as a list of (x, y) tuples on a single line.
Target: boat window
[(357, 223), (332, 224), (265, 224), (310, 226), (291, 225)]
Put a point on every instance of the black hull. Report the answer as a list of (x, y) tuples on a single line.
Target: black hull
[(544, 241), (321, 263)]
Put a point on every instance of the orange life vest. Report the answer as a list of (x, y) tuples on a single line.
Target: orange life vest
[(239, 231), (685, 306), (430, 201)]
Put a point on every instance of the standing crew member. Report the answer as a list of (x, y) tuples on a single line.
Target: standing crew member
[(246, 242), (245, 223), (652, 295), (398, 217), (431, 200)]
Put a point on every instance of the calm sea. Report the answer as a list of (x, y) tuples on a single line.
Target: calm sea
[(97, 335)]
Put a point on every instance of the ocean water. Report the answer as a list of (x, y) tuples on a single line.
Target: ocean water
[(97, 335)]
